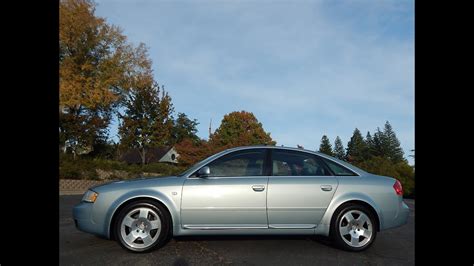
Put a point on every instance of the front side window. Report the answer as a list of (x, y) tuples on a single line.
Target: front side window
[(239, 163), (293, 163), (338, 169)]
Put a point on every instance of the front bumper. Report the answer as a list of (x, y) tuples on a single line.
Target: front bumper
[(82, 215)]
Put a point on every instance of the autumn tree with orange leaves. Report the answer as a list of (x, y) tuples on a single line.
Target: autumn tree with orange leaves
[(240, 129), (236, 129), (191, 151), (96, 68)]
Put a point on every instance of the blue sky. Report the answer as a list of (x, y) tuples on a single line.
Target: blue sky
[(304, 68)]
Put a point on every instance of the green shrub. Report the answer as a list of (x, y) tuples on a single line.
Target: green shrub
[(69, 171), (85, 168), (162, 168), (401, 171)]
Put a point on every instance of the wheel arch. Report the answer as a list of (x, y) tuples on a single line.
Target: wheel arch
[(362, 203), (339, 200), (125, 200)]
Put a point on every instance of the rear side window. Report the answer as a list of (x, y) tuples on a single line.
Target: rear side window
[(338, 169), (292, 163)]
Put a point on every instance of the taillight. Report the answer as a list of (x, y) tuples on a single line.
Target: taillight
[(398, 188)]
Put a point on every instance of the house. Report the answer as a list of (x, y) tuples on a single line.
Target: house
[(68, 147), (153, 155)]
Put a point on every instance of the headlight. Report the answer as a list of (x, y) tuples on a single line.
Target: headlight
[(90, 196)]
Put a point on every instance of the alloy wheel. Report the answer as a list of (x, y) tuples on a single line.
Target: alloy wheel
[(355, 228), (140, 227)]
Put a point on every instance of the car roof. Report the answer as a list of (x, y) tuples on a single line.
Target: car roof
[(273, 147), (346, 164)]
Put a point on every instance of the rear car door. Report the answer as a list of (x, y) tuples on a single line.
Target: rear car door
[(299, 189), (232, 196)]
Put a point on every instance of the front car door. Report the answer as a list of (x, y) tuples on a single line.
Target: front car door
[(232, 196), (299, 189)]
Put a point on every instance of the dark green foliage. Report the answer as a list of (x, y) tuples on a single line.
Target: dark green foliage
[(386, 144), (147, 121), (184, 128), (103, 150), (325, 146), (339, 149), (370, 144), (383, 166), (356, 148), (86, 168), (392, 145), (379, 154)]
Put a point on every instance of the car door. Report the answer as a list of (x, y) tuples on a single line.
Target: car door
[(232, 196), (299, 189)]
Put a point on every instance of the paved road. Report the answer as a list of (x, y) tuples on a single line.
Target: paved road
[(392, 247)]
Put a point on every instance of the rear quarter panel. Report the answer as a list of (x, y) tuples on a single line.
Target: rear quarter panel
[(377, 191)]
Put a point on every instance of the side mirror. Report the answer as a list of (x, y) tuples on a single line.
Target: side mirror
[(204, 172)]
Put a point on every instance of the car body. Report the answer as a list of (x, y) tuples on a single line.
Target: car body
[(252, 190)]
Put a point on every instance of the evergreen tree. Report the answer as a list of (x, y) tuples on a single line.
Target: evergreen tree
[(356, 148), (377, 140), (325, 146), (370, 145), (339, 149), (392, 145), (184, 128)]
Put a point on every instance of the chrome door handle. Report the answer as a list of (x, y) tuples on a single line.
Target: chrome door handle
[(326, 187), (258, 187)]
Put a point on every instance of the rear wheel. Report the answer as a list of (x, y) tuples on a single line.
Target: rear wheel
[(142, 226), (354, 228)]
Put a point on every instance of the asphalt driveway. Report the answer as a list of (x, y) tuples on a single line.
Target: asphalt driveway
[(392, 247)]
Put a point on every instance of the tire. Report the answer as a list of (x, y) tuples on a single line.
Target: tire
[(142, 226), (354, 227)]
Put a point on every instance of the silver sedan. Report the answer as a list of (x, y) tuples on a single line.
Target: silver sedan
[(254, 190)]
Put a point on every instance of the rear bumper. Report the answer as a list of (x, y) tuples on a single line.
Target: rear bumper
[(401, 216), (82, 215)]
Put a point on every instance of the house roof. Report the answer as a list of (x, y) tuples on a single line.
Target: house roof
[(153, 154)]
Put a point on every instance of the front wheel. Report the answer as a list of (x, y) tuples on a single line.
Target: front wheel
[(142, 226), (354, 228)]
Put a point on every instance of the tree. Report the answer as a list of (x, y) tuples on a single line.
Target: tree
[(147, 121), (184, 128), (370, 144), (377, 147), (386, 144), (162, 135), (104, 150), (383, 166), (356, 148), (392, 145), (240, 129), (191, 151), (339, 149), (325, 146), (96, 67)]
